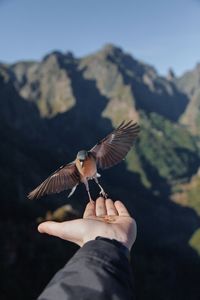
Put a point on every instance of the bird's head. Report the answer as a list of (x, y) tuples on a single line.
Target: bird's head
[(82, 156)]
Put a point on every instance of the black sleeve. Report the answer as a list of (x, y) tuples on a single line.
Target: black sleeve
[(100, 270)]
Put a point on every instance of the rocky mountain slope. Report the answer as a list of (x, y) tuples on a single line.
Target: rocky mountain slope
[(51, 109), (189, 83)]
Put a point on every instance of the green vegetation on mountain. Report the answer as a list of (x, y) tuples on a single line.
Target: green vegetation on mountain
[(195, 241), (166, 147), (193, 196), (187, 193)]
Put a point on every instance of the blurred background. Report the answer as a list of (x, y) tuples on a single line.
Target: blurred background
[(71, 71)]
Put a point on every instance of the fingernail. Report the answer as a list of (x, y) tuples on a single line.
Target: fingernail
[(39, 229)]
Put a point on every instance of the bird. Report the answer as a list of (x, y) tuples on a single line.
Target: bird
[(108, 152)]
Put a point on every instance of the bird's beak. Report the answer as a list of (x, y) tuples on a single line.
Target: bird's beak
[(81, 162)]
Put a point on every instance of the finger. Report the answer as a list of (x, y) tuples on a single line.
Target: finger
[(111, 210), (100, 207), (69, 230), (89, 210), (121, 209)]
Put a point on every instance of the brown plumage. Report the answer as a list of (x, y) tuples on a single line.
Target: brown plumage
[(66, 177), (105, 154)]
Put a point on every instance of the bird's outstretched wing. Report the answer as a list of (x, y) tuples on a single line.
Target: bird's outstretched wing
[(114, 147), (66, 177)]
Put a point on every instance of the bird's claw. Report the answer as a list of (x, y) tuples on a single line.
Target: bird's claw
[(103, 194), (91, 201)]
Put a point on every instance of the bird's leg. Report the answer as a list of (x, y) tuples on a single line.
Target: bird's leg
[(72, 191), (102, 192), (88, 191)]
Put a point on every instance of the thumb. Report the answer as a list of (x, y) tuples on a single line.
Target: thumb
[(52, 228), (68, 230)]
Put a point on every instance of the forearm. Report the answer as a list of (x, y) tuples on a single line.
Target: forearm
[(99, 270)]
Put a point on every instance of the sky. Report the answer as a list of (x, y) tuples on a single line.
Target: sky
[(161, 33)]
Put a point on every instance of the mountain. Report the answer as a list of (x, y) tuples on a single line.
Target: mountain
[(189, 83), (51, 109), (106, 87), (118, 77)]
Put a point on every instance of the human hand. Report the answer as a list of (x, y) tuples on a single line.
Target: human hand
[(103, 218)]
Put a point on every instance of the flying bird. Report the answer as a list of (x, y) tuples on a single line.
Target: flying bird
[(105, 154)]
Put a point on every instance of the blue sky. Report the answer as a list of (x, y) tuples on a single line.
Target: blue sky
[(159, 32)]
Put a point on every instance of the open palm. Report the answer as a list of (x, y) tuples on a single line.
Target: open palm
[(102, 218)]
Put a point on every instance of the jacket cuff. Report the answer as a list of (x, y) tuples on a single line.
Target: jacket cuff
[(105, 250), (124, 250)]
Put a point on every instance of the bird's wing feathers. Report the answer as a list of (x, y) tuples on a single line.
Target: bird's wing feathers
[(64, 178), (114, 147)]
